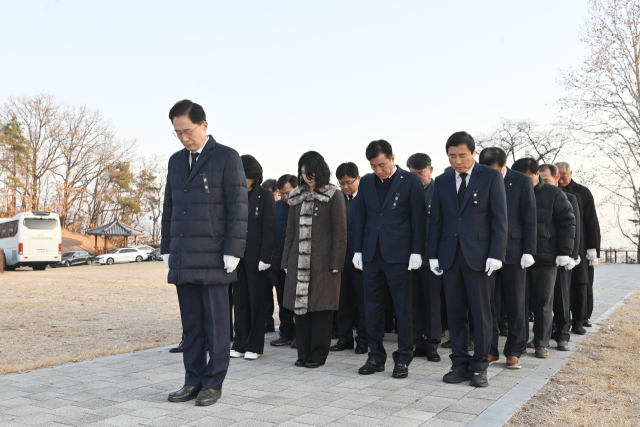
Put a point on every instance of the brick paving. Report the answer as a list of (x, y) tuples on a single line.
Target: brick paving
[(131, 389)]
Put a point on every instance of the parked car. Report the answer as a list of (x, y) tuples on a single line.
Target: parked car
[(121, 255), (75, 258), (146, 250), (155, 255)]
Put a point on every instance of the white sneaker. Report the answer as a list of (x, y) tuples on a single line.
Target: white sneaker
[(251, 356), (236, 353)]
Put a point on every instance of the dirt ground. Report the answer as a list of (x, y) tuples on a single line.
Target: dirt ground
[(600, 385), (63, 315)]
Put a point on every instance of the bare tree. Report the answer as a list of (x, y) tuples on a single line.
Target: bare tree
[(524, 138), (153, 197), (602, 105)]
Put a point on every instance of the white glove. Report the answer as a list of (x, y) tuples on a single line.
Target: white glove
[(165, 258), (593, 262), (592, 254), (571, 265), (357, 260), (285, 271), (262, 266), (492, 265), (561, 261), (578, 260), (527, 261), (230, 263), (335, 271), (415, 261), (434, 266)]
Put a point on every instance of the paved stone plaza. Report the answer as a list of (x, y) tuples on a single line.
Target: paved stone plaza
[(131, 389)]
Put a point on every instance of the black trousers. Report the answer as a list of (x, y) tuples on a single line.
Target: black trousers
[(426, 301), (269, 306), (561, 305), (511, 279), (351, 307), (590, 292), (204, 310), (231, 311), (248, 309), (379, 278), (543, 280), (287, 326), (467, 290), (314, 335), (578, 301)]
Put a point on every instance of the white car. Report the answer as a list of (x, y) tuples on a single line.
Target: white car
[(120, 256), (146, 250)]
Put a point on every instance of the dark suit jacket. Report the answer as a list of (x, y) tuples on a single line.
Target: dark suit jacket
[(428, 196), (479, 224), (591, 225), (282, 214), (261, 229), (351, 214), (397, 226), (521, 213)]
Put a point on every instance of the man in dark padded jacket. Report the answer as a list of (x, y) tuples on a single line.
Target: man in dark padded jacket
[(556, 233)]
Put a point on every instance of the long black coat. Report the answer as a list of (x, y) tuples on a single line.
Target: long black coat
[(204, 216), (590, 217), (580, 273), (556, 224), (261, 229)]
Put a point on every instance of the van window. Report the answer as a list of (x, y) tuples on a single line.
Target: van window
[(8, 229), (40, 224)]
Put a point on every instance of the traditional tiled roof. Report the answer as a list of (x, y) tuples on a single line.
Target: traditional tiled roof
[(115, 228)]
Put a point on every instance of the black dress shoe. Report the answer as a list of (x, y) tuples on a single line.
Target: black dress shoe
[(479, 379), (530, 344), (280, 341), (362, 349), (587, 323), (458, 374), (400, 370), (371, 367), (313, 365), (578, 330), (208, 396), (185, 394), (563, 346), (341, 345), (446, 344), (432, 355), (300, 362), (178, 348), (268, 327), (418, 352)]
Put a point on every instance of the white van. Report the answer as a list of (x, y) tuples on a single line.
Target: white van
[(31, 239)]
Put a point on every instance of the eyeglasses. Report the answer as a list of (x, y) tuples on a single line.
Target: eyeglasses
[(284, 195), (346, 184), (189, 132)]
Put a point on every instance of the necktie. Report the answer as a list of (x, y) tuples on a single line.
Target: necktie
[(194, 157), (463, 188)]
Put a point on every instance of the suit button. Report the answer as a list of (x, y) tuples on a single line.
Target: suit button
[(186, 191), (181, 234), (184, 212), (381, 214), (377, 228), (455, 235), (459, 219)]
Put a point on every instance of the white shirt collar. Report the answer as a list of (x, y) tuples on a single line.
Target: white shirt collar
[(395, 168), (468, 172), (504, 174)]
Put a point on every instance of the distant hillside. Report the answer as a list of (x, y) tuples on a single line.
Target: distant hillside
[(79, 242)]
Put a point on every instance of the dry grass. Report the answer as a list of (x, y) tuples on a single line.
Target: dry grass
[(600, 384), (69, 314)]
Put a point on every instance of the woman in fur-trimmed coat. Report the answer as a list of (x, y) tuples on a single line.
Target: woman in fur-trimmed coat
[(313, 257)]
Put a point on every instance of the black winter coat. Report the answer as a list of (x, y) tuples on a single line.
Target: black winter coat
[(261, 229), (204, 216), (580, 273), (521, 214), (590, 217), (282, 215), (556, 224)]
